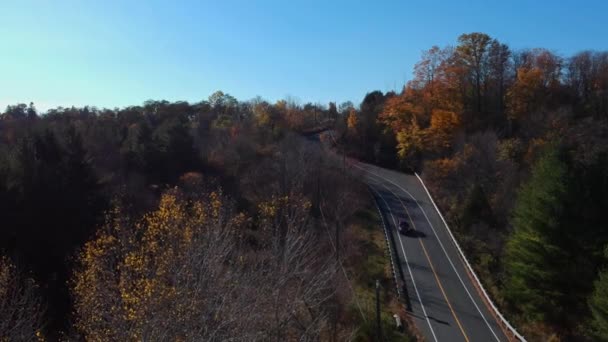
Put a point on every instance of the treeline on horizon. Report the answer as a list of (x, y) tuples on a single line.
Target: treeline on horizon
[(512, 144), (514, 147)]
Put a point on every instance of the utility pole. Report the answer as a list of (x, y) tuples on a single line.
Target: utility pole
[(378, 326), (337, 240), (319, 184), (343, 159)]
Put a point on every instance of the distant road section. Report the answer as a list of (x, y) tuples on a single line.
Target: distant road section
[(443, 300), (442, 297)]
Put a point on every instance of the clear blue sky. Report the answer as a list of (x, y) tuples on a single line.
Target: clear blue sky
[(118, 53)]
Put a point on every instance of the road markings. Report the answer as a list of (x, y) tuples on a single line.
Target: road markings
[(443, 291), (473, 277), (428, 258), (440, 244), (408, 265)]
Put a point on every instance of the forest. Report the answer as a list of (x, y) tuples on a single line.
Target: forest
[(514, 147), (206, 220)]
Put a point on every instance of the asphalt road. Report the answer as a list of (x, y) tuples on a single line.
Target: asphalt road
[(443, 302)]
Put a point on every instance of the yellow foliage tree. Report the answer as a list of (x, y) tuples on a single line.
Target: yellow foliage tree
[(181, 273), (284, 213), (130, 275), (409, 143), (262, 115)]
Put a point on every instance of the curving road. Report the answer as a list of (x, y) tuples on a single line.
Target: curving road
[(441, 297)]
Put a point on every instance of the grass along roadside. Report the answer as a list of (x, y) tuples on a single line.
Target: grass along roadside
[(368, 260)]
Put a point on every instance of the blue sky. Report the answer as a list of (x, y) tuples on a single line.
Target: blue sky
[(118, 53)]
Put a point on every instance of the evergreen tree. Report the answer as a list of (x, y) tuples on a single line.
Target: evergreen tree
[(534, 253), (598, 304), (53, 202), (83, 193)]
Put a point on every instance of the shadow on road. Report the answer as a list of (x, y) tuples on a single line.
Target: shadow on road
[(438, 320), (415, 234)]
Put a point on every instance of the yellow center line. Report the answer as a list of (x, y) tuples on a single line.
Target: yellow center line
[(484, 300), (443, 292), (433, 269)]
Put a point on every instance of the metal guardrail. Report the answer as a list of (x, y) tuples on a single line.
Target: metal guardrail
[(470, 268), (389, 245)]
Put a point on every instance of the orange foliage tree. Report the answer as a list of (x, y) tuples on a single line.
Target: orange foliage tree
[(400, 110), (352, 123), (524, 95), (444, 124)]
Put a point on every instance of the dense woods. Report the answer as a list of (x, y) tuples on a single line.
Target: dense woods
[(214, 220), (513, 144), (190, 221)]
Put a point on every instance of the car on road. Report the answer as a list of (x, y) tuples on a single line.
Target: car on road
[(404, 227)]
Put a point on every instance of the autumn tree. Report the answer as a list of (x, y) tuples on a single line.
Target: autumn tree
[(525, 95), (153, 282), (345, 107), (430, 86), (21, 309), (472, 52), (291, 113), (427, 69), (222, 103), (265, 118), (443, 127), (399, 111), (409, 146), (499, 77), (352, 124), (536, 87), (183, 272), (549, 64), (588, 79)]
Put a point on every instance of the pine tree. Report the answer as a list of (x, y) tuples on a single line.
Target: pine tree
[(598, 303), (534, 253)]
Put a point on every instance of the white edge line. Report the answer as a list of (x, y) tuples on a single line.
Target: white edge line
[(502, 318), (451, 263), (407, 263), (442, 248)]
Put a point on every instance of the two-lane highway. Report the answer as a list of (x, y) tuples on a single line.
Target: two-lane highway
[(445, 304)]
